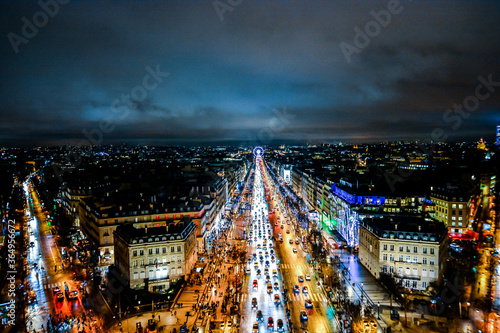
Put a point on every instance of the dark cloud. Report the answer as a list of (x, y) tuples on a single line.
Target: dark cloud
[(226, 77)]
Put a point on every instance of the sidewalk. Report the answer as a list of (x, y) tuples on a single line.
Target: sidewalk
[(196, 299)]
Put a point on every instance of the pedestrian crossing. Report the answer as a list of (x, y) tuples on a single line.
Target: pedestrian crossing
[(295, 267), (299, 297), (50, 286)]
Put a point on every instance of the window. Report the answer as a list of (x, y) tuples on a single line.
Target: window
[(384, 269), (142, 262), (424, 250), (400, 271), (164, 260), (401, 257), (391, 257), (408, 259), (424, 285), (424, 272), (391, 269), (164, 250), (150, 261), (143, 275), (415, 249), (392, 247), (415, 259), (460, 206), (414, 284), (384, 257), (407, 249), (453, 205), (179, 258), (415, 272), (385, 247), (407, 271), (431, 261), (136, 276), (172, 249), (157, 250), (106, 241), (431, 273), (134, 253), (401, 248), (134, 263), (179, 248), (424, 260), (432, 250), (150, 251)]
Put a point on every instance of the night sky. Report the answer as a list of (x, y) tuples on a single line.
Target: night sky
[(255, 71)]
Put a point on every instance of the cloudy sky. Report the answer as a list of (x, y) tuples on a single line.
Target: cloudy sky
[(255, 71)]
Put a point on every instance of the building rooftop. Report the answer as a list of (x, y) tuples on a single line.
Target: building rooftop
[(174, 231), (406, 228)]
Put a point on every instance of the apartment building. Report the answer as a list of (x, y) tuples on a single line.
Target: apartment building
[(453, 208), (99, 218), (411, 249), (154, 258)]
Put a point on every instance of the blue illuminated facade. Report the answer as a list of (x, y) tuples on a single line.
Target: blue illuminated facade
[(344, 205)]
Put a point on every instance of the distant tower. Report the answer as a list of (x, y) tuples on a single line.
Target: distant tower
[(498, 135)]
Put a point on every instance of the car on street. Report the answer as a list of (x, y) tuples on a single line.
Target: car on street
[(279, 324), (301, 278), (294, 250), (73, 294), (270, 322), (56, 289), (287, 231), (255, 327), (277, 298), (290, 242), (303, 315), (260, 316), (60, 296), (305, 290), (308, 277), (296, 288), (308, 304), (31, 297), (255, 283)]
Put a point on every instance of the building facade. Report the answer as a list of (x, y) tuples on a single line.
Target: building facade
[(453, 208), (99, 218), (413, 250), (154, 258)]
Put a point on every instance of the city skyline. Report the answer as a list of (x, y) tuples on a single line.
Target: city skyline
[(248, 72)]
